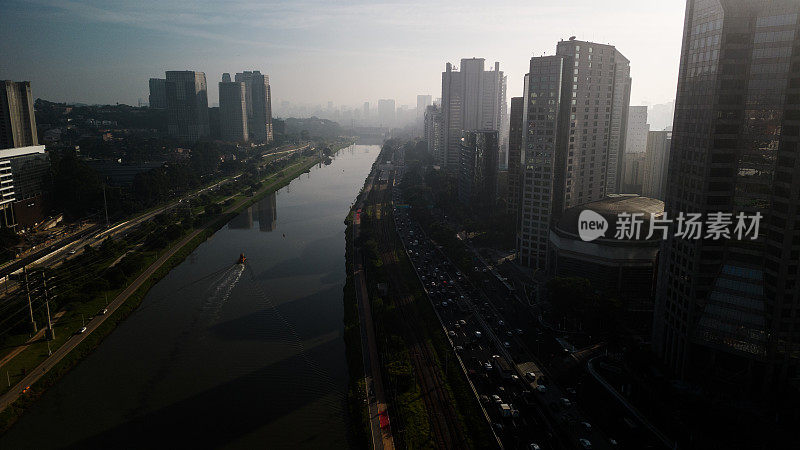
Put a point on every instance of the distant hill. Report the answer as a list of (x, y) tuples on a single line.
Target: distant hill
[(314, 126)]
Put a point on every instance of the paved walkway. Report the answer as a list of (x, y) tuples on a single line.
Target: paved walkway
[(30, 341)]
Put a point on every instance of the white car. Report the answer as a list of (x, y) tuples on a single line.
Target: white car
[(82, 330), (585, 443), (565, 402), (587, 425)]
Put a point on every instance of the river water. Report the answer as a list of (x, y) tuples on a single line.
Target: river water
[(225, 355)]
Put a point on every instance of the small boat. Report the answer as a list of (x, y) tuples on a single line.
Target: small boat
[(241, 259)]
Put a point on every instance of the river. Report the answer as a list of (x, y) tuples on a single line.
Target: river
[(226, 355)]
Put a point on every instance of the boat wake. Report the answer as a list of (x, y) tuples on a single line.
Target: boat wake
[(221, 289)]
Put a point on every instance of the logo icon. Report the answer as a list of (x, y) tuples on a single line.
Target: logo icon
[(591, 225)]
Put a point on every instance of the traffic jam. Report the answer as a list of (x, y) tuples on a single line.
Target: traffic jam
[(525, 410)]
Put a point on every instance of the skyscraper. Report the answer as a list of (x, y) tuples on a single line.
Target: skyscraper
[(472, 99), (232, 110), (574, 119), (258, 99), (386, 113), (187, 105), (433, 131), (729, 307), (654, 183), (514, 155), (423, 101), (636, 134), (17, 118), (477, 175), (503, 130), (158, 93)]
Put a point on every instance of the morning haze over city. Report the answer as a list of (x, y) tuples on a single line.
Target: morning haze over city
[(458, 224)]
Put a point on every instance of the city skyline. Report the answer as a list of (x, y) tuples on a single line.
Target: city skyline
[(113, 51)]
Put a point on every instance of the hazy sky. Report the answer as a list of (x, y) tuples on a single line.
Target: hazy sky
[(104, 51)]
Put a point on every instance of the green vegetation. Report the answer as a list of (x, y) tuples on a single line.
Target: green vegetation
[(356, 388)]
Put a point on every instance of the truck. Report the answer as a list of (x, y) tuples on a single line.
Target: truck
[(502, 366), (507, 411)]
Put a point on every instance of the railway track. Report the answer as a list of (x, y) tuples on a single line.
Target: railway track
[(446, 428)]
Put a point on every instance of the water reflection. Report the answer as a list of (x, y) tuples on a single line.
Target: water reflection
[(264, 212), (267, 213)]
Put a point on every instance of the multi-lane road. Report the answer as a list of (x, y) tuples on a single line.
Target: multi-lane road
[(525, 406)]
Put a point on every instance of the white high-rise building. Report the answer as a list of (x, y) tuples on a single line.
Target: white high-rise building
[(472, 99), (573, 137), (258, 99), (232, 110), (636, 134)]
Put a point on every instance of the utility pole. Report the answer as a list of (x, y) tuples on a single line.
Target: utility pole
[(50, 333), (105, 205), (28, 294)]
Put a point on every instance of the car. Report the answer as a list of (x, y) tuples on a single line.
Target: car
[(496, 398), (585, 443), (462, 322), (459, 348), (571, 391), (487, 366), (514, 378), (530, 376), (509, 334), (587, 426), (73, 251), (500, 323), (103, 311), (484, 399), (534, 446), (478, 335), (518, 331), (451, 333), (565, 402), (444, 304), (507, 344), (82, 330)]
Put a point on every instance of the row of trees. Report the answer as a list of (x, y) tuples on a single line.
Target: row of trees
[(77, 189)]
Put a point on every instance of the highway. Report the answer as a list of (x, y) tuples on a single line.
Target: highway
[(56, 253), (483, 338)]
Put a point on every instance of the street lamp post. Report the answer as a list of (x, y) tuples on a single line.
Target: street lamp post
[(50, 334)]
